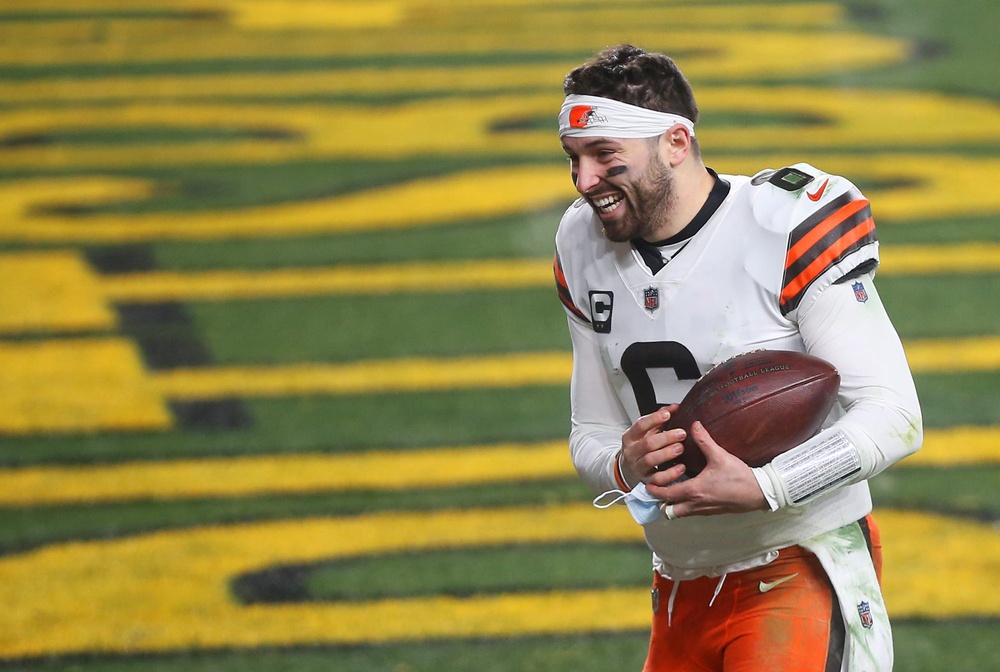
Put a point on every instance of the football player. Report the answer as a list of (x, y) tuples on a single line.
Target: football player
[(665, 269)]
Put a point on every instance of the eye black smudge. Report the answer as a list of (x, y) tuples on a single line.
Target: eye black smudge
[(617, 170)]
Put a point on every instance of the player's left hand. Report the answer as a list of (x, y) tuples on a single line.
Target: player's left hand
[(725, 485)]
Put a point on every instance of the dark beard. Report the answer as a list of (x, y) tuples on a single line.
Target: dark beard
[(649, 205)]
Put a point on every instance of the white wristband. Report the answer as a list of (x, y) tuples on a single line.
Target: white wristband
[(770, 494), (812, 468)]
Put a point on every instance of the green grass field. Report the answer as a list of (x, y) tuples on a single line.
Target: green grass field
[(283, 375)]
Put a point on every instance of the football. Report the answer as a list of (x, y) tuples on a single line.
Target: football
[(757, 405)]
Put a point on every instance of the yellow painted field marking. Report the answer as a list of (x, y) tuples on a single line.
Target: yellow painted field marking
[(853, 118), (912, 581), (315, 15), (50, 292), (441, 276), (926, 191), (464, 125), (701, 52), (457, 276), (954, 355), (438, 468), (335, 16), (919, 190), (734, 16), (922, 191), (421, 202), (961, 258), (99, 384), (33, 33), (55, 291), (265, 85), (252, 476), (368, 377), (40, 9), (41, 196), (169, 590), (77, 386), (957, 446), (502, 371)]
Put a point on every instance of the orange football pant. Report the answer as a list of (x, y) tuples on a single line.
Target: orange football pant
[(781, 616)]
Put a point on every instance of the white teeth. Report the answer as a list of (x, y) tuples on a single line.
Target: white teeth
[(608, 203)]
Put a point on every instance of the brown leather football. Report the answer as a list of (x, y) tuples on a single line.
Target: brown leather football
[(757, 405)]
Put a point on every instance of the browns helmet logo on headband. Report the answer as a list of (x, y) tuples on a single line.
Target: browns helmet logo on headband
[(582, 115)]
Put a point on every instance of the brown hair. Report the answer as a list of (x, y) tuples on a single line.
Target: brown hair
[(632, 75)]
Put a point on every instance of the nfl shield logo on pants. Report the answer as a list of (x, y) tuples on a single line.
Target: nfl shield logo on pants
[(859, 292), (865, 612), (651, 296)]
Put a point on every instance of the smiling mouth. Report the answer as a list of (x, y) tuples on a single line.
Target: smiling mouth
[(606, 204)]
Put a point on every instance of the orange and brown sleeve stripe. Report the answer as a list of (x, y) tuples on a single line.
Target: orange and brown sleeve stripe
[(619, 476), (563, 288), (821, 241)]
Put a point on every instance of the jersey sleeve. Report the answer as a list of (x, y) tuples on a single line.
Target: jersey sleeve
[(830, 231), (570, 258), (597, 417), (565, 296), (853, 332)]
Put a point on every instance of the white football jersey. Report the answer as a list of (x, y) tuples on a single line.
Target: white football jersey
[(763, 252)]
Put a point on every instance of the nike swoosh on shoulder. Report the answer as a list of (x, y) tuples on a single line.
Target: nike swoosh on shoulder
[(764, 587), (818, 194)]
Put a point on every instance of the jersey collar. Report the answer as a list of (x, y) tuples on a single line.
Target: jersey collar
[(651, 252)]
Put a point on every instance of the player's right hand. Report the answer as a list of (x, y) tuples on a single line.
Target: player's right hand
[(645, 447)]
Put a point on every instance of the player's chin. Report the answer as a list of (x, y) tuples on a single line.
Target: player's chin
[(618, 229)]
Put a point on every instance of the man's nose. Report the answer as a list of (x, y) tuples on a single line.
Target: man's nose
[(588, 177)]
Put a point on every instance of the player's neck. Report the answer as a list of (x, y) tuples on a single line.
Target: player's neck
[(692, 183)]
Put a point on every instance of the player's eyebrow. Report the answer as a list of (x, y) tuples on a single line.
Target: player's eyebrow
[(591, 144), (599, 141)]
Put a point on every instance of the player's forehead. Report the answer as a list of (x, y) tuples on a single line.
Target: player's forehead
[(582, 146)]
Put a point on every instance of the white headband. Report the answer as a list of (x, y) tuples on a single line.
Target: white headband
[(593, 116)]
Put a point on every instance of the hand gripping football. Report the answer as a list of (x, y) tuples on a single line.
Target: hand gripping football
[(757, 405)]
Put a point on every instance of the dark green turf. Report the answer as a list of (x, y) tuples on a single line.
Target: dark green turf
[(959, 399), (457, 573), (147, 135), (337, 424), (403, 324), (585, 653), (942, 306), (940, 231), (457, 323), (957, 50), (531, 235), (329, 424), (24, 528), (972, 491), (958, 646)]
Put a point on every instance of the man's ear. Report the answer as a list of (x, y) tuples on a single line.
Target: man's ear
[(675, 145)]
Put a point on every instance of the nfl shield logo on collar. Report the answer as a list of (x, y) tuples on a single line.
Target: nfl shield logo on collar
[(865, 612), (859, 292), (651, 298)]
